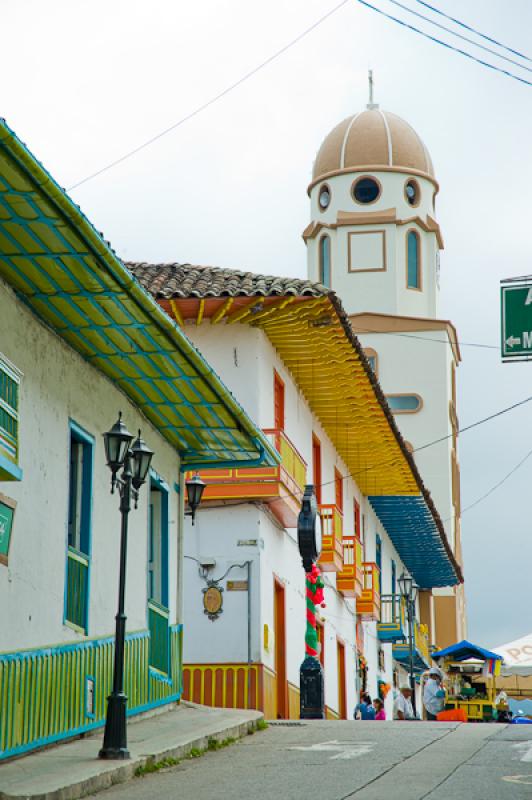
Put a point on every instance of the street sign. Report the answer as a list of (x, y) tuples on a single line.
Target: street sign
[(516, 320)]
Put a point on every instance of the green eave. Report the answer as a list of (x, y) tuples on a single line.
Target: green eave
[(59, 265)]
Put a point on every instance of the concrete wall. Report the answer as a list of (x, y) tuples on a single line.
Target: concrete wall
[(58, 386)]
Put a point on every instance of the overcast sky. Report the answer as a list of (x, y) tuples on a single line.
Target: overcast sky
[(84, 81)]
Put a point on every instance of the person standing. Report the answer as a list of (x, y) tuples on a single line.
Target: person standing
[(434, 694), (402, 707), (364, 709), (380, 713)]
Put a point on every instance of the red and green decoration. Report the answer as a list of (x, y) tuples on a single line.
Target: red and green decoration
[(314, 591)]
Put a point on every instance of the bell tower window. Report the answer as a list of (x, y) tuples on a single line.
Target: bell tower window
[(413, 255), (325, 261)]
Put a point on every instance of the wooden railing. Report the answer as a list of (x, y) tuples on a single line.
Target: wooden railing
[(77, 588), (350, 580), (369, 603), (421, 641), (391, 626), (332, 522), (291, 460), (159, 650), (332, 551)]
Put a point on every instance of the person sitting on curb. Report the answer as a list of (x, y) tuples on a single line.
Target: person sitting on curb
[(434, 694), (364, 709), (402, 707)]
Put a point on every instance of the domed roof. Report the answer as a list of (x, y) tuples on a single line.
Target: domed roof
[(371, 140)]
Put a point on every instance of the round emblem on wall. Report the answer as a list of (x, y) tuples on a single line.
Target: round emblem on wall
[(212, 601)]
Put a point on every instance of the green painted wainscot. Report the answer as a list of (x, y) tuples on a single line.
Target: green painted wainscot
[(54, 693)]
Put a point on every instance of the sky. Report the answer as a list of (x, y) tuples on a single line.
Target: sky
[(85, 81)]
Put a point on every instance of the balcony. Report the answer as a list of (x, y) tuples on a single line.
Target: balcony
[(369, 602), (281, 487), (350, 581), (392, 625), (332, 549), (401, 651)]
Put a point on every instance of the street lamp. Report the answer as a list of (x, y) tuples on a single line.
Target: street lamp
[(134, 461), (195, 487), (409, 590)]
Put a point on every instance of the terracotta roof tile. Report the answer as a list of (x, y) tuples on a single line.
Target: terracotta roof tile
[(188, 280)]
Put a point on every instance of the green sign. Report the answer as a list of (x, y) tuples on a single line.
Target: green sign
[(7, 510), (516, 321)]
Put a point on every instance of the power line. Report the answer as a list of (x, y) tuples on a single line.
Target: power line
[(428, 339), (473, 30), (445, 44), (212, 100), (460, 36), (500, 483)]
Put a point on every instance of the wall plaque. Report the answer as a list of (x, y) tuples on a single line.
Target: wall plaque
[(7, 512), (237, 586)]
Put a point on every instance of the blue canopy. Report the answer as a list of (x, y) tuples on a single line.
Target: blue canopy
[(412, 528), (463, 650)]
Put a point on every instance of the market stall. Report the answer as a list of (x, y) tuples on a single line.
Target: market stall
[(469, 679)]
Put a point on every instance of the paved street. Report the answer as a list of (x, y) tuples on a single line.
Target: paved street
[(366, 761)]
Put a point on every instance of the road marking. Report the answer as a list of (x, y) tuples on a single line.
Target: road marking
[(525, 751), (527, 779), (346, 750)]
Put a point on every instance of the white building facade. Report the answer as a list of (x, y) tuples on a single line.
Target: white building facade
[(286, 351)]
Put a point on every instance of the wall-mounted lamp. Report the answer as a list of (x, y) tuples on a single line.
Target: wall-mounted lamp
[(195, 487)]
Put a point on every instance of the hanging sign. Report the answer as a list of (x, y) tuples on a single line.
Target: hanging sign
[(7, 511), (516, 320)]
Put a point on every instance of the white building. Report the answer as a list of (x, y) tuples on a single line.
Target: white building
[(79, 341), (374, 239), (286, 349)]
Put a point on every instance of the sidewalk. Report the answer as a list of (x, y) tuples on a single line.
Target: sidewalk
[(70, 771)]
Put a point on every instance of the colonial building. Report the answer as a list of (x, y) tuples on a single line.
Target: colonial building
[(79, 341), (375, 240), (286, 349)]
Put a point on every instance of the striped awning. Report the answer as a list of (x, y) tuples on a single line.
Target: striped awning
[(412, 528)]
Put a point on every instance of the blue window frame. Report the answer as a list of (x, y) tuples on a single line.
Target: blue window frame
[(158, 614), (79, 527), (414, 260), (325, 261), (394, 577), (9, 421), (378, 551)]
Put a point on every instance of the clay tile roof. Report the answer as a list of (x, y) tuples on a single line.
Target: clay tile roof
[(164, 281)]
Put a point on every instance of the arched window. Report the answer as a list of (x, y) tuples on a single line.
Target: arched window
[(325, 261), (413, 248)]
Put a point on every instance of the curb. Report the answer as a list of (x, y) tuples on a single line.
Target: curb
[(125, 771)]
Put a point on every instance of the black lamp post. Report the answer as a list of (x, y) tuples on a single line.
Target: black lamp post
[(409, 590), (195, 487), (134, 460)]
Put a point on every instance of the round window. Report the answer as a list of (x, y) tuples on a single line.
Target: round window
[(325, 196), (366, 190), (412, 193)]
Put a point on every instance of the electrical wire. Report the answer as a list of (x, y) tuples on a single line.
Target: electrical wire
[(429, 339), (460, 36), (473, 30), (213, 99), (500, 483), (445, 44)]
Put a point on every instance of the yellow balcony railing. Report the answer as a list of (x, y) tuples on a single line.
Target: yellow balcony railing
[(292, 462), (350, 580), (332, 551), (421, 641), (369, 603)]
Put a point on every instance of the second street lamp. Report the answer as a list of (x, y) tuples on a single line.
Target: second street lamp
[(409, 590), (135, 462)]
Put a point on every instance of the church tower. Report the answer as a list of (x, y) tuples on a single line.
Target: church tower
[(374, 239)]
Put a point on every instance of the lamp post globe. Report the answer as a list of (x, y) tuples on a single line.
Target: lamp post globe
[(117, 441), (195, 488), (405, 585), (142, 456)]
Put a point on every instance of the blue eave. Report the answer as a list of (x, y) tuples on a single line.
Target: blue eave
[(461, 651), (412, 528)]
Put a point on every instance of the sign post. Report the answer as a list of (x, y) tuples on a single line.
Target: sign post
[(516, 320)]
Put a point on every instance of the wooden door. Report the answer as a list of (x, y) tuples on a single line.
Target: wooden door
[(316, 467), (320, 624), (342, 697), (280, 650), (339, 490), (278, 402)]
